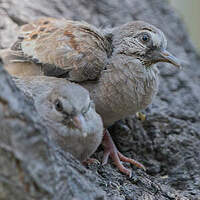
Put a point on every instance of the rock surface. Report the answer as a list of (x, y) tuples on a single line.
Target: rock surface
[(167, 142)]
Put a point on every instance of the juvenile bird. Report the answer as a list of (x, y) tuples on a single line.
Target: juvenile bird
[(68, 113), (118, 66)]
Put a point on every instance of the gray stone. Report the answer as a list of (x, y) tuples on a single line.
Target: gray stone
[(167, 142)]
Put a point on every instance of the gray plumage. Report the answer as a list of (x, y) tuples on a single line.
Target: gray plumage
[(122, 61), (68, 113), (118, 67), (131, 79)]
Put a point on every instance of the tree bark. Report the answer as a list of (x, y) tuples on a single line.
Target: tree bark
[(167, 142)]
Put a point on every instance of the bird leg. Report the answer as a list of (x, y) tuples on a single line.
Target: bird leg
[(111, 150), (90, 161)]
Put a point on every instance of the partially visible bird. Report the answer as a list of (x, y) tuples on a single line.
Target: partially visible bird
[(68, 113), (60, 47), (117, 66)]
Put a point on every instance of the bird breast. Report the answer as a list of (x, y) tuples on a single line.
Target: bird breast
[(124, 89)]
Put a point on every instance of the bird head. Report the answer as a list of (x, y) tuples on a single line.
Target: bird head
[(144, 42), (69, 105)]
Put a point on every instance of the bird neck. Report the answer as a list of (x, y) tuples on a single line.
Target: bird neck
[(131, 67)]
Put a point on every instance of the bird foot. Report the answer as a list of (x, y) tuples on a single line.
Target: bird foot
[(90, 161), (111, 150), (141, 116)]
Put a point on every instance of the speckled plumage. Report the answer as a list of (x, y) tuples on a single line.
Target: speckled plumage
[(117, 66), (123, 65), (80, 141), (64, 48), (120, 93)]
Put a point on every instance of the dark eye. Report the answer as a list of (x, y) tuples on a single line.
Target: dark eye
[(58, 105), (145, 37)]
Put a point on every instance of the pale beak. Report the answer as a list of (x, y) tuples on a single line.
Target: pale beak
[(165, 56), (79, 123)]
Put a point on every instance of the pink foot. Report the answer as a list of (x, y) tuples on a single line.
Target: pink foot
[(111, 150), (90, 161)]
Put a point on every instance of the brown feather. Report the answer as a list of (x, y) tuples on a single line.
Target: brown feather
[(67, 45)]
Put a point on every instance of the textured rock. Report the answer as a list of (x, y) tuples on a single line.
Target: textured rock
[(167, 142), (30, 166)]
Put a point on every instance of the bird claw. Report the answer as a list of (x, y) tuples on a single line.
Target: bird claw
[(90, 161), (111, 150)]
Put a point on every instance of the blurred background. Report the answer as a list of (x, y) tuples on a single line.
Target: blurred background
[(189, 11)]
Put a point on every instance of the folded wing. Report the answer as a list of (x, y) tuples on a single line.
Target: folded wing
[(63, 48)]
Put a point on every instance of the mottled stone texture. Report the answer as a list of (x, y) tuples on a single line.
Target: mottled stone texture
[(167, 142)]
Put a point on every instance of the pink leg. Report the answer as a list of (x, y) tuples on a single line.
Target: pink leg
[(90, 161), (111, 150)]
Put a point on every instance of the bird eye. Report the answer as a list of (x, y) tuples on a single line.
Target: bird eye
[(145, 37), (58, 105)]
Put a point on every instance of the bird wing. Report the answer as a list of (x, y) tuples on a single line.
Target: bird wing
[(75, 50)]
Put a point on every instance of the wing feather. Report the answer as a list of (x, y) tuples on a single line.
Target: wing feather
[(80, 50)]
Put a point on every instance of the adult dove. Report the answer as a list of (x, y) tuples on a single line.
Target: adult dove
[(67, 112), (118, 66)]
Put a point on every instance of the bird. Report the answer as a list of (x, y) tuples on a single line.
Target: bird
[(67, 112), (118, 66)]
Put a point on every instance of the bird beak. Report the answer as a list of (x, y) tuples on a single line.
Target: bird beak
[(79, 123), (165, 56)]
